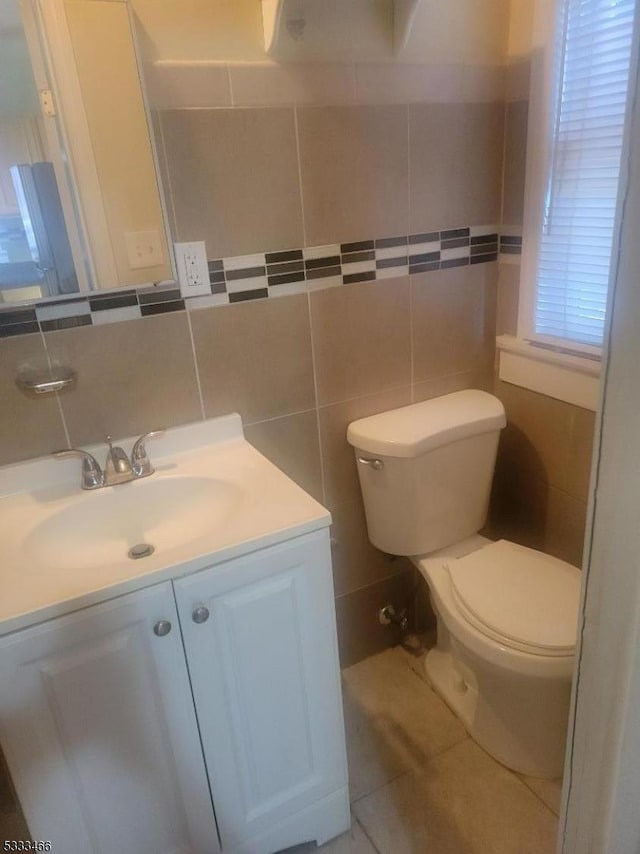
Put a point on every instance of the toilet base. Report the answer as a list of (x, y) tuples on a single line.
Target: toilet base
[(450, 686), (497, 730)]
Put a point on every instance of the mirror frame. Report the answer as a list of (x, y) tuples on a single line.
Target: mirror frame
[(67, 133)]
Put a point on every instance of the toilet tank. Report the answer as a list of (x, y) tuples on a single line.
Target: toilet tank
[(426, 470)]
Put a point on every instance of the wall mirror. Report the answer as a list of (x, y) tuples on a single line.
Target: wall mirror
[(80, 201)]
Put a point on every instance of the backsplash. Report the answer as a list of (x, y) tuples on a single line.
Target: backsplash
[(272, 274)]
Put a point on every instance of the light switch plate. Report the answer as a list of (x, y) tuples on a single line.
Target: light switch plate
[(144, 249), (193, 268)]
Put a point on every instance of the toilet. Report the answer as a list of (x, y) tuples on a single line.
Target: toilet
[(507, 615)]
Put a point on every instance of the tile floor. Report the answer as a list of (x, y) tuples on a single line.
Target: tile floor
[(420, 785)]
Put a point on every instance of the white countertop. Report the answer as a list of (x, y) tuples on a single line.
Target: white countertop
[(260, 506)]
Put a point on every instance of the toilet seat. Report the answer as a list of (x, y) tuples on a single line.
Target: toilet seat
[(522, 598)]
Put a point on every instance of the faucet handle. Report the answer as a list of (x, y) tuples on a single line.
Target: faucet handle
[(139, 459), (117, 468), (92, 476)]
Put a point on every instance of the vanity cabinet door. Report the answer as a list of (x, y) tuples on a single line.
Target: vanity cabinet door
[(99, 730), (260, 638)]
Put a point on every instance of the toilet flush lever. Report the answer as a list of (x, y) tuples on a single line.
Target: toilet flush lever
[(378, 465)]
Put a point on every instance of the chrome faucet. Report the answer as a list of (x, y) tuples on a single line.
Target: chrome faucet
[(118, 468)]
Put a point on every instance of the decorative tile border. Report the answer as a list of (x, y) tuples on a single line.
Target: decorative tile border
[(299, 270), (510, 244), (268, 274)]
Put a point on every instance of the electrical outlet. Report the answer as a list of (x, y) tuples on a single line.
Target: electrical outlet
[(144, 249), (193, 268)]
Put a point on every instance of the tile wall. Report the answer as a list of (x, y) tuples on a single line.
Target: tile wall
[(402, 310), (353, 262), (542, 475)]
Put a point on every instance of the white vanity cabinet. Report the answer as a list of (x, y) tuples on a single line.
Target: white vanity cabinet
[(119, 729), (260, 639), (100, 733)]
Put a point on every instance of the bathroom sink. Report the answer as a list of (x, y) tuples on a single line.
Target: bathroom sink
[(212, 498), (100, 528)]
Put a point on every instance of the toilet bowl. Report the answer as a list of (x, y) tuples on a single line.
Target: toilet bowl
[(506, 614), (510, 688)]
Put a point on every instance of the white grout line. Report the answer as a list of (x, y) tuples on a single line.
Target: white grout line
[(413, 395), (57, 395), (304, 221), (232, 99), (365, 832), (64, 421), (533, 792), (504, 169), (364, 396), (279, 417), (195, 366)]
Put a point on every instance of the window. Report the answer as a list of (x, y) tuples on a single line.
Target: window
[(572, 228)]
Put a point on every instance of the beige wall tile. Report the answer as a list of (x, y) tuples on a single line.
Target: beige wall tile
[(272, 83), (291, 443), (508, 296), (28, 427), (429, 389), (580, 460), (133, 377), (538, 435), (519, 505), (482, 84), (361, 339), (566, 521), (450, 315), (425, 619), (481, 175), (455, 155), (341, 476), (354, 172), (359, 631), (255, 358), (515, 154), (356, 563), (542, 473), (518, 74), (436, 154), (234, 178)]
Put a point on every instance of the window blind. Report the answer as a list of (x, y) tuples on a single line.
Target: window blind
[(580, 202)]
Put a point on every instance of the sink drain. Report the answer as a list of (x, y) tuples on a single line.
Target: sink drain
[(141, 550)]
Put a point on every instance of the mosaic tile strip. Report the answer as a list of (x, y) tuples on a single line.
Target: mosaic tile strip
[(510, 244), (267, 274)]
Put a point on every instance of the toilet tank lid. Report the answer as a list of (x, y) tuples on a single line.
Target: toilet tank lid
[(413, 430)]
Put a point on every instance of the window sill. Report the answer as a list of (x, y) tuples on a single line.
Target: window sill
[(574, 379)]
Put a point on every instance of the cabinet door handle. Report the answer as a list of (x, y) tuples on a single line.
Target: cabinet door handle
[(200, 615), (162, 628)]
